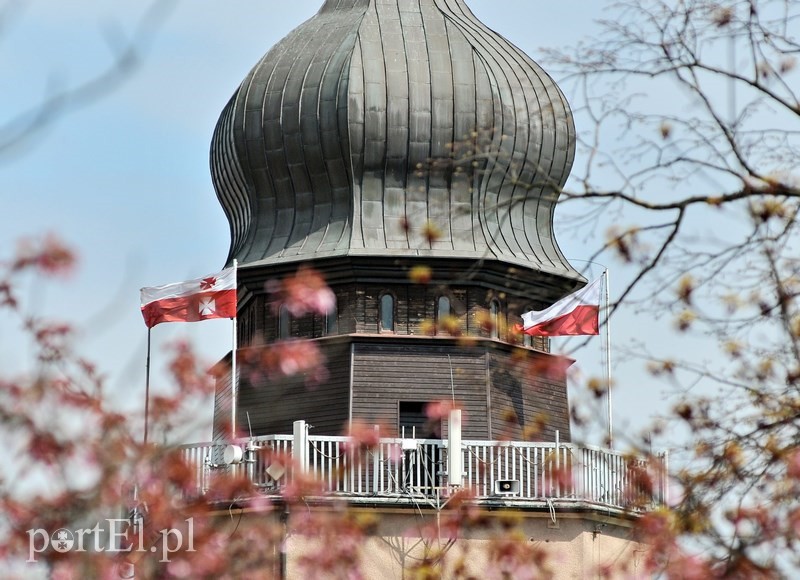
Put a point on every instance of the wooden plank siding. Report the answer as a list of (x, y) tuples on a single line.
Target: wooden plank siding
[(506, 392), (529, 397), (248, 327), (502, 398), (385, 374), (222, 400), (275, 403)]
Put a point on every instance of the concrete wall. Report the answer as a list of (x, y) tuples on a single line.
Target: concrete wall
[(401, 543)]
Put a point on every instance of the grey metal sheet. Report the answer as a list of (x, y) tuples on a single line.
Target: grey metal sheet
[(319, 151)]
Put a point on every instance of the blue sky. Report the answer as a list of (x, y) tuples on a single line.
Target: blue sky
[(125, 179)]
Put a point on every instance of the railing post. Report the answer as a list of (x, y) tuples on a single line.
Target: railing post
[(556, 474), (204, 479), (376, 461), (665, 478), (300, 445), (455, 464)]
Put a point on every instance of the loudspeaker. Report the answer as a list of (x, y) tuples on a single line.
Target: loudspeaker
[(233, 454), (506, 486)]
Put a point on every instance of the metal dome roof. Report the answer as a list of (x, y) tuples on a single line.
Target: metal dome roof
[(326, 147)]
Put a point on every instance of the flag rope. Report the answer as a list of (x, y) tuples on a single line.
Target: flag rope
[(607, 321)]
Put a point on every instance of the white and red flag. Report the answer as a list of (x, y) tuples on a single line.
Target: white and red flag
[(213, 296), (576, 314)]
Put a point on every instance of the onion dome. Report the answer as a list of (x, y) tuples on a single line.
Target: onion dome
[(377, 122)]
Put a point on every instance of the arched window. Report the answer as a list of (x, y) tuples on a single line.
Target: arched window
[(442, 308), (386, 314), (283, 322), (443, 313), (332, 320), (494, 318)]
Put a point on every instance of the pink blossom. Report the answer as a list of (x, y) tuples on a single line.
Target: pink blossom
[(180, 569), (689, 568), (363, 436), (793, 464), (304, 293), (440, 409), (293, 357), (49, 255)]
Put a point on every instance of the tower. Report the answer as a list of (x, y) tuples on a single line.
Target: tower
[(413, 158), (377, 138)]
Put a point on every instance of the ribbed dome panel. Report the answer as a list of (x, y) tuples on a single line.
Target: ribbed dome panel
[(532, 146), (288, 133), (231, 184), (326, 147)]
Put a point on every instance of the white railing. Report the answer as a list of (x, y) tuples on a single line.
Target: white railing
[(409, 468)]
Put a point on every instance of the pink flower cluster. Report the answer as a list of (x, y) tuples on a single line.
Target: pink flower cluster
[(304, 293), (285, 359), (49, 255)]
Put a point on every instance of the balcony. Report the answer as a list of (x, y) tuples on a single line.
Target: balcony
[(401, 471)]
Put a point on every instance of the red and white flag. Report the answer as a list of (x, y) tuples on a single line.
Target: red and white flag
[(576, 314), (213, 296)]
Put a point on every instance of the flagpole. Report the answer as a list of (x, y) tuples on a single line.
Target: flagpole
[(147, 388), (607, 346), (234, 385), (608, 362)]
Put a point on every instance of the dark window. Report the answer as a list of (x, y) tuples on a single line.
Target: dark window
[(332, 321), (386, 315), (420, 467), (413, 420), (494, 318), (283, 322)]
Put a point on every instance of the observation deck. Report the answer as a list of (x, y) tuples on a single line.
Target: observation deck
[(413, 472)]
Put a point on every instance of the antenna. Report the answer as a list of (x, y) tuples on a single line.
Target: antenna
[(249, 425), (452, 386)]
